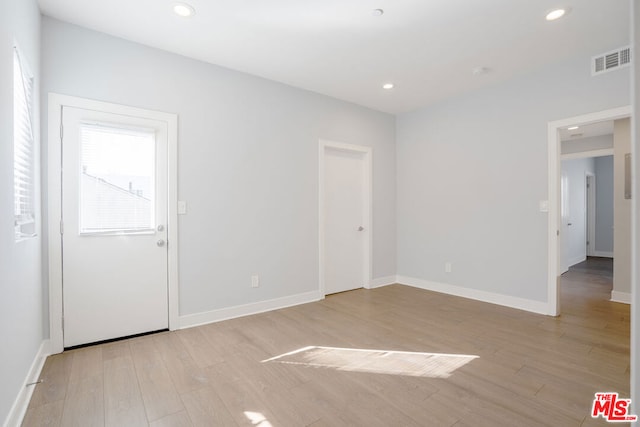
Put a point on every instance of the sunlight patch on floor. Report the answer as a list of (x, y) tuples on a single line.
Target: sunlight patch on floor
[(257, 419), (431, 365)]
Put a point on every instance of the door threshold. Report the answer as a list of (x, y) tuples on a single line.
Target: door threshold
[(91, 344)]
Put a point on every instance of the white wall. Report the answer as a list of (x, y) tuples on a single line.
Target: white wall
[(574, 232), (635, 264), (621, 211), (471, 173), (603, 244), (20, 273), (248, 162), (587, 144)]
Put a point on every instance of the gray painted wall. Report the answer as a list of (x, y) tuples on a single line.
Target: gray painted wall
[(604, 205), (574, 236), (248, 162), (621, 210), (587, 144), (483, 216), (20, 274)]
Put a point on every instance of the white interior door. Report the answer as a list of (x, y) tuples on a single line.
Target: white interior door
[(114, 214), (345, 220)]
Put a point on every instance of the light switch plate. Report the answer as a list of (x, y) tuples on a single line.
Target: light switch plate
[(544, 206)]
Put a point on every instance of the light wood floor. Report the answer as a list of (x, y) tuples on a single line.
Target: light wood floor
[(531, 370)]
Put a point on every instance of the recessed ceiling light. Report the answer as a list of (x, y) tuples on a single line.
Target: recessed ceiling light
[(377, 12), (183, 9), (573, 127), (556, 14), (388, 86)]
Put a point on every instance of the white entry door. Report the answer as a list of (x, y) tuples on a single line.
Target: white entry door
[(346, 219), (114, 225)]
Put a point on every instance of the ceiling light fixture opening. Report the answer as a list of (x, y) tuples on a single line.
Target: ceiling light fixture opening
[(183, 9), (557, 13), (388, 86), (377, 12)]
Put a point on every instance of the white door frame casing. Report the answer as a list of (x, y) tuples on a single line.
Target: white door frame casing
[(54, 191), (554, 165), (324, 145), (590, 210)]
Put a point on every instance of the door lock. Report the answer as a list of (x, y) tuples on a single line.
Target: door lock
[(160, 243)]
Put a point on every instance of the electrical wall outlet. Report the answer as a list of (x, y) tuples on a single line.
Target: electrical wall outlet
[(255, 281), (447, 267)]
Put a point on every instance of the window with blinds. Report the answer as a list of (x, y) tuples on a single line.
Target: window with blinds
[(23, 150)]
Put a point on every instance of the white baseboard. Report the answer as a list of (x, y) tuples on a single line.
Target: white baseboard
[(382, 281), (19, 408), (475, 294), (602, 254), (197, 319), (623, 297)]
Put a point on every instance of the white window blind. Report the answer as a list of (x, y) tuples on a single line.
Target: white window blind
[(23, 150)]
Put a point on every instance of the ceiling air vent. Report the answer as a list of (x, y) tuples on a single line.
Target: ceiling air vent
[(610, 61)]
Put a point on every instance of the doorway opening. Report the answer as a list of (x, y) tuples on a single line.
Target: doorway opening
[(555, 182)]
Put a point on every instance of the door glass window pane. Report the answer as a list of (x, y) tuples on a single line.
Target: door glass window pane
[(117, 179)]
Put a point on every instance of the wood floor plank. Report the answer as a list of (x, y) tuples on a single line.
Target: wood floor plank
[(179, 419), (45, 415), (84, 402), (185, 373), (123, 400), (158, 391), (205, 408)]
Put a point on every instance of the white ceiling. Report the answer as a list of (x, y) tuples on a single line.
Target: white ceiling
[(428, 48), (587, 131)]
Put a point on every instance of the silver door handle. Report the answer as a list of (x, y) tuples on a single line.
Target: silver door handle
[(360, 228), (160, 227), (160, 243)]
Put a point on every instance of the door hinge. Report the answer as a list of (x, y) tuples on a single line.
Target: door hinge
[(63, 323), (61, 227), (557, 232)]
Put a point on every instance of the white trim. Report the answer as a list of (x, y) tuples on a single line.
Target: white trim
[(382, 281), (368, 206), (621, 297), (20, 405), (603, 254), (590, 202), (533, 306), (554, 167), (54, 191), (197, 319), (587, 154)]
